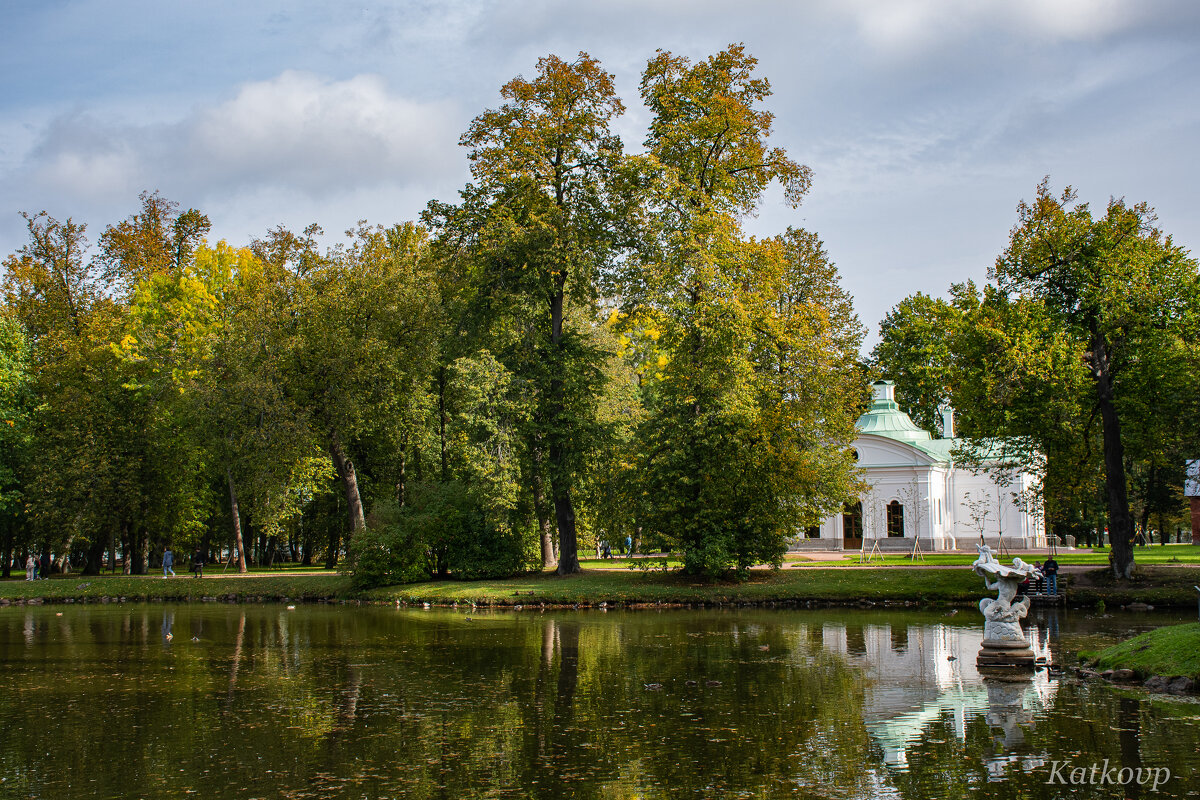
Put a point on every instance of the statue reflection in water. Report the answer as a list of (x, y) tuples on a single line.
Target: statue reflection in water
[(1006, 713), (1012, 705)]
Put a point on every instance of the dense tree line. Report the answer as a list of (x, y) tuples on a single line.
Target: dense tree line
[(584, 345), (1079, 354)]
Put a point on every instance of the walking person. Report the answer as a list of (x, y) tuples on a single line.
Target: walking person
[(45, 566), (1050, 570), (168, 563), (198, 563)]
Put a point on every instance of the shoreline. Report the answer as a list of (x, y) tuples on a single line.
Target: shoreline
[(1165, 660), (1157, 587)]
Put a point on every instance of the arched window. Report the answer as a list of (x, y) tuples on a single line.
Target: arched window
[(895, 518)]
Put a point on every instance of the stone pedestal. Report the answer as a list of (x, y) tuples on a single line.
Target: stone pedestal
[(1006, 656)]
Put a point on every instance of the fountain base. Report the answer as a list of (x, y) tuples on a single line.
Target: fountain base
[(1006, 656)]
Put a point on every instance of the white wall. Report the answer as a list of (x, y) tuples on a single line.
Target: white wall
[(937, 499)]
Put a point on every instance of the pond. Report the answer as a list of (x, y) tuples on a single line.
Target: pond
[(222, 701)]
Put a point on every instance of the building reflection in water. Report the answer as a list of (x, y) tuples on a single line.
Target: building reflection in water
[(923, 674)]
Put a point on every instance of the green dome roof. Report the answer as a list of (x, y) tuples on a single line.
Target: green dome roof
[(884, 417)]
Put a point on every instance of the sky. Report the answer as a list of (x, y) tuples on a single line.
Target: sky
[(925, 122)]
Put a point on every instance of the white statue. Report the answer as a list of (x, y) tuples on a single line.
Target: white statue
[(1003, 615)]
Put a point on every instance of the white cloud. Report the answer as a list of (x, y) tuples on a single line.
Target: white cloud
[(317, 134), (907, 24), (925, 120), (298, 132)]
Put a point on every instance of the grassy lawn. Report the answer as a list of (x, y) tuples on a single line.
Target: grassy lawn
[(1147, 555), (1156, 585), (183, 587), (589, 587), (1171, 650), (637, 587)]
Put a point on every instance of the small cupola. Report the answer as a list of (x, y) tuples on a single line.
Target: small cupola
[(884, 417), (883, 392)]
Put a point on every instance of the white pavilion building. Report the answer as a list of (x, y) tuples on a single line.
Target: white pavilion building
[(917, 490)]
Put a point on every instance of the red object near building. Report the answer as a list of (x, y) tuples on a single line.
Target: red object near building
[(1195, 501)]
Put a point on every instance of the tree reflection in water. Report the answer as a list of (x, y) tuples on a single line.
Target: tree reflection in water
[(372, 702)]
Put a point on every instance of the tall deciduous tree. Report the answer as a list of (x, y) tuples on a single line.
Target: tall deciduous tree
[(1120, 288), (16, 407), (52, 289), (144, 258), (752, 406), (540, 221), (362, 345), (211, 332)]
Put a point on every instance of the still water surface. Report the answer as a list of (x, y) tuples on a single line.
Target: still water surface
[(215, 701)]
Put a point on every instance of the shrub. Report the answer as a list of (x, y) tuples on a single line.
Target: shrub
[(387, 551), (443, 530)]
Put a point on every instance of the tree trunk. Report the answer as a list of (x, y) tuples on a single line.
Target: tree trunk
[(306, 551), (400, 481), (345, 470), (236, 518), (442, 423), (8, 551), (137, 552), (560, 481), (95, 557), (335, 544), (545, 527), (144, 538), (126, 549), (1120, 522), (549, 557), (564, 512)]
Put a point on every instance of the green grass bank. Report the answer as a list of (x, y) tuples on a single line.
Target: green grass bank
[(629, 587), (1171, 650), (1161, 586), (591, 587), (117, 588)]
